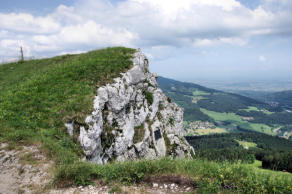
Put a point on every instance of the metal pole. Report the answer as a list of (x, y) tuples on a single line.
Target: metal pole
[(21, 54)]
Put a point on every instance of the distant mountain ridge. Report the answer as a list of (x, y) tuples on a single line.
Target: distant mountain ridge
[(281, 99), (228, 112), (284, 98)]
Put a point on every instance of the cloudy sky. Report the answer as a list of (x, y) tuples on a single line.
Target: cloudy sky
[(184, 39)]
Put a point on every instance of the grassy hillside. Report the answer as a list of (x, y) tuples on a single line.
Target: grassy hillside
[(227, 111), (38, 96)]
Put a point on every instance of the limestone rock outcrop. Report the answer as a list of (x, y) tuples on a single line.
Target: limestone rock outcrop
[(132, 119)]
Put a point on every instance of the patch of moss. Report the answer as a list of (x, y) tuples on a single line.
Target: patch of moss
[(170, 148), (167, 143), (107, 137), (160, 106), (159, 116), (171, 121), (139, 132)]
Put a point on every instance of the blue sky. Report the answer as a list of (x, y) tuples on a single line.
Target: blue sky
[(36, 7), (187, 40)]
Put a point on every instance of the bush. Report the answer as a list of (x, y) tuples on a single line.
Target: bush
[(149, 97)]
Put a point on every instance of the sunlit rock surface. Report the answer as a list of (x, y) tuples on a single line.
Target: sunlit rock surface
[(132, 119)]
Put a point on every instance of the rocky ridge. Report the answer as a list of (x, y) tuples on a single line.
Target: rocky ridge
[(132, 118)]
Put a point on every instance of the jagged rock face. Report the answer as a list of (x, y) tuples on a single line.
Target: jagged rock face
[(133, 119)]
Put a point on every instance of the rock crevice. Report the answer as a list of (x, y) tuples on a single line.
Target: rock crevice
[(133, 119)]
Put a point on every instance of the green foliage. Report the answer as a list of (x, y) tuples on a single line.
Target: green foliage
[(171, 121), (148, 82), (78, 173), (147, 70), (160, 106), (149, 97), (274, 152), (230, 140), (167, 143), (284, 98), (275, 160), (227, 154)]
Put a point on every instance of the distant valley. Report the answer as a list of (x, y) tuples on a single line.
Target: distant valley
[(209, 111), (235, 86)]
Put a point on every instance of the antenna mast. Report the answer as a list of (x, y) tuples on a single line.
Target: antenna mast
[(21, 54)]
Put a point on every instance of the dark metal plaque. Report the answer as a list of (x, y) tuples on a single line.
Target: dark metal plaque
[(157, 134)]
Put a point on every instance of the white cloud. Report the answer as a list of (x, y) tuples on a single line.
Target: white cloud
[(262, 58), (68, 52), (23, 22), (218, 41), (91, 24)]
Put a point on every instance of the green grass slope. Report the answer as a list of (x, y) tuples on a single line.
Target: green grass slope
[(206, 176), (38, 96)]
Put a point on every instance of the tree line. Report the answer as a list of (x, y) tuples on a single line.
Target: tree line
[(274, 152)]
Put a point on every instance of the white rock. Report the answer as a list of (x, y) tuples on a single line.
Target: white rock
[(70, 127), (121, 108)]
